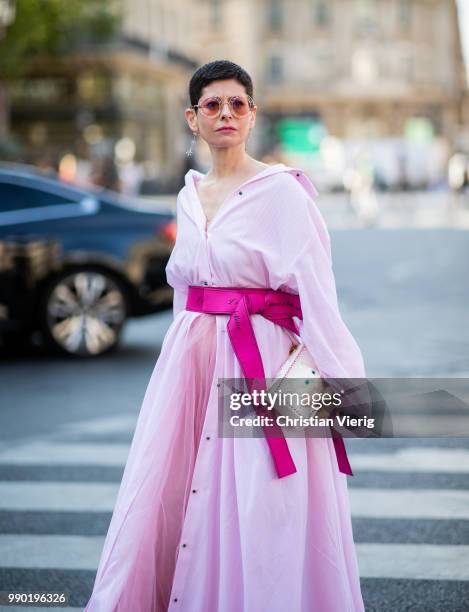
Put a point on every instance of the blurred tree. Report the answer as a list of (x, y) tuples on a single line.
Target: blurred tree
[(51, 28)]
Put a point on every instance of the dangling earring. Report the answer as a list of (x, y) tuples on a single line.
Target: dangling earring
[(189, 151)]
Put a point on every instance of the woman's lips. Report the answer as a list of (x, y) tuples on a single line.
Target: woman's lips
[(226, 130)]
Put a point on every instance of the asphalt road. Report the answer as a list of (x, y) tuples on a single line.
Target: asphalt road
[(66, 426)]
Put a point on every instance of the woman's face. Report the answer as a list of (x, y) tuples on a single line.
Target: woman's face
[(209, 127)]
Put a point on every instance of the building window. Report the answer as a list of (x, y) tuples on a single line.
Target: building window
[(382, 67), (408, 67), (276, 69), (404, 14), (366, 11), (364, 66), (323, 64), (215, 13), (44, 90), (322, 16), (94, 88), (275, 16)]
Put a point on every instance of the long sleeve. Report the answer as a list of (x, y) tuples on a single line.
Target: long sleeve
[(179, 301), (304, 266), (174, 280), (322, 328)]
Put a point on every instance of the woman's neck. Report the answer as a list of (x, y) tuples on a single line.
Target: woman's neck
[(227, 163)]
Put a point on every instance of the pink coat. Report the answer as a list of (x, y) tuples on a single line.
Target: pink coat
[(202, 523)]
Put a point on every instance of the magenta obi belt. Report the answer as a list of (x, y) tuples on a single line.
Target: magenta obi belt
[(279, 307)]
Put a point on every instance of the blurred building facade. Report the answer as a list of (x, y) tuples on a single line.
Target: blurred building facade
[(378, 84), (127, 93), (388, 72)]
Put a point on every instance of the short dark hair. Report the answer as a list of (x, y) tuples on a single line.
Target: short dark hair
[(218, 70)]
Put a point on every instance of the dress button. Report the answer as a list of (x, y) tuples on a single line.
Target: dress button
[(184, 545), (204, 283), (297, 174), (194, 490), (240, 193), (175, 599), (208, 438)]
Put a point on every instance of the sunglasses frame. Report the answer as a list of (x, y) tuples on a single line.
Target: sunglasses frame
[(221, 102)]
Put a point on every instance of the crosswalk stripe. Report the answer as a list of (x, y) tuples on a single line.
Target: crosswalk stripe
[(100, 497), (58, 496), (50, 552), (413, 459), (406, 561), (51, 453), (416, 562), (405, 503), (107, 425), (437, 460)]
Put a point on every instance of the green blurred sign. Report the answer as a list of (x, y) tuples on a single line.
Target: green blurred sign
[(301, 135), (418, 129)]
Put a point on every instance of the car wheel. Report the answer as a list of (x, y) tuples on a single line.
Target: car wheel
[(83, 312)]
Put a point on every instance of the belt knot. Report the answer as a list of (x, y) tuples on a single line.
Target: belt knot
[(277, 306)]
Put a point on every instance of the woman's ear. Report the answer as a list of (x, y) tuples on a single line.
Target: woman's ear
[(191, 119)]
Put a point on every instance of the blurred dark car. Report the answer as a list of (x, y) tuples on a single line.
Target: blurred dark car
[(75, 264)]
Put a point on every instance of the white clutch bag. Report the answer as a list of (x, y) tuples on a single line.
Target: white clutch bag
[(299, 365)]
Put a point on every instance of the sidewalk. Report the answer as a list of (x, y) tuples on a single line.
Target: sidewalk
[(419, 209)]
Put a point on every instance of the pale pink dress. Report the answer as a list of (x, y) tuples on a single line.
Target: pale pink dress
[(202, 523)]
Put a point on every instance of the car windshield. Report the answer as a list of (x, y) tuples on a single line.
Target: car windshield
[(51, 179)]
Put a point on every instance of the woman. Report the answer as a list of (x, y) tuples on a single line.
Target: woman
[(205, 523)]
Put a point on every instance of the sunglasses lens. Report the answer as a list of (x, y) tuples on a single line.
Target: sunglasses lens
[(239, 105), (211, 107)]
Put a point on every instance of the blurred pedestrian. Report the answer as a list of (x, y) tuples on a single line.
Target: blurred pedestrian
[(104, 173)]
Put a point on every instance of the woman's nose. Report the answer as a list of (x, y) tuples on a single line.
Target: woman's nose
[(225, 104)]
